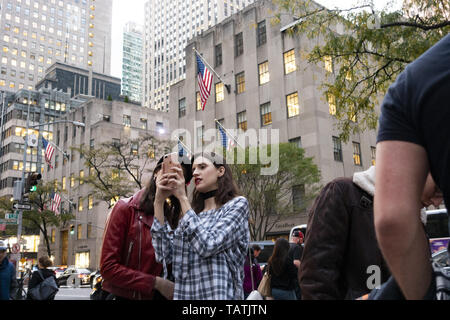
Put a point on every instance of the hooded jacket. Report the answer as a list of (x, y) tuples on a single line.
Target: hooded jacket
[(128, 265), (340, 242), (8, 283)]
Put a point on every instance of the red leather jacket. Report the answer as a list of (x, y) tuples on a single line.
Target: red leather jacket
[(128, 265)]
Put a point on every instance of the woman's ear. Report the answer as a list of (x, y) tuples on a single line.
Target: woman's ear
[(221, 171)]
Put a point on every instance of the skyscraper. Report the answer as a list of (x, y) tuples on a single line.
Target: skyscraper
[(132, 62), (36, 33), (168, 26)]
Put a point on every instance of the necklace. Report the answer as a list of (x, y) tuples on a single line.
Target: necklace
[(208, 194)]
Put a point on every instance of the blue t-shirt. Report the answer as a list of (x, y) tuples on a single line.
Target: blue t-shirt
[(416, 109)]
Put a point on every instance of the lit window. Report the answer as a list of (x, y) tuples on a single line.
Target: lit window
[(80, 204), (199, 101), (126, 121), (292, 105), (289, 62), (332, 104), (266, 114), (328, 63), (90, 202), (64, 183), (357, 154), (242, 120), (240, 82), (264, 75), (220, 94), (373, 153)]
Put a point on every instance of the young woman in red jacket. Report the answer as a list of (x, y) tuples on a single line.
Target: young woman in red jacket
[(128, 265)]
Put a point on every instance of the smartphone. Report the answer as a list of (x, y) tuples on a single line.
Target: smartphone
[(170, 160)]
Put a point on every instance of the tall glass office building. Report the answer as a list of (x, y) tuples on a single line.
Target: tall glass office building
[(132, 62)]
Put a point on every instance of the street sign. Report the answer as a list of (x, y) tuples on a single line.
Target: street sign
[(15, 248), (22, 206), (11, 216), (8, 221)]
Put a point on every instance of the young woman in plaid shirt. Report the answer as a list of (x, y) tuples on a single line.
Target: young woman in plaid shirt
[(207, 249)]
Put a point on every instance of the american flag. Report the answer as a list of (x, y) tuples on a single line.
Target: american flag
[(56, 201), (204, 81), (49, 150), (226, 143)]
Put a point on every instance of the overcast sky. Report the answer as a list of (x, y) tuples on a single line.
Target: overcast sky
[(133, 10)]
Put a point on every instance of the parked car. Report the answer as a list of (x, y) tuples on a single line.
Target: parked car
[(266, 251), (92, 278), (59, 270), (81, 273)]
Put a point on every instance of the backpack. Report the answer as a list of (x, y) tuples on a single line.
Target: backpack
[(46, 290)]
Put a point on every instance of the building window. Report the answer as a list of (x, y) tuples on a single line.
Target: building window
[(89, 230), (292, 105), (81, 177), (289, 62), (242, 120), (64, 183), (266, 114), (134, 148), (127, 121), (328, 61), (200, 132), (181, 107), (53, 236), (357, 154), (296, 141), (72, 180), (373, 153), (331, 104), (90, 202), (79, 231), (337, 149), (80, 204), (261, 33), (298, 196), (218, 55), (198, 102), (220, 94), (264, 75), (240, 82), (238, 45), (144, 124)]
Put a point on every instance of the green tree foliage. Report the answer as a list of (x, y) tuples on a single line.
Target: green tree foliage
[(270, 196), (368, 49)]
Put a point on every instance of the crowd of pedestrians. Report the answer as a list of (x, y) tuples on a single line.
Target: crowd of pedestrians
[(158, 244)]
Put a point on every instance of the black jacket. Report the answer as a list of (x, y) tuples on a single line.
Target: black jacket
[(340, 244), (36, 279)]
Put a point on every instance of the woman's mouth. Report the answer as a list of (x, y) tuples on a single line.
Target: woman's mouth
[(197, 181)]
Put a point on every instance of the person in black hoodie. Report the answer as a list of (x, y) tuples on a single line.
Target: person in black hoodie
[(283, 272), (43, 263)]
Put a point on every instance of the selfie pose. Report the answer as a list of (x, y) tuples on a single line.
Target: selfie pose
[(128, 265), (208, 248)]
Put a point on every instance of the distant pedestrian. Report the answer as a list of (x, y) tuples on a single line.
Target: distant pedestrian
[(256, 251), (8, 282), (252, 271), (40, 274), (295, 253), (282, 271)]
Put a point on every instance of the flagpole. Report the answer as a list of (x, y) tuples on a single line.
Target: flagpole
[(184, 146), (228, 133), (208, 65)]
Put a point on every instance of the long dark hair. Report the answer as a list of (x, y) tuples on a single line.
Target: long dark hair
[(172, 207), (278, 258), (227, 188)]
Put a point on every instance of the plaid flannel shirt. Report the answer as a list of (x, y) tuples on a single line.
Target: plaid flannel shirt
[(207, 251)]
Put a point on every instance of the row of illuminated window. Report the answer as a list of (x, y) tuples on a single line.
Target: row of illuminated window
[(45, 6), (43, 27), (292, 109), (357, 155), (143, 123), (42, 38), (23, 64), (22, 132)]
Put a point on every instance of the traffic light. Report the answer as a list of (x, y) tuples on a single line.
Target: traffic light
[(72, 229), (32, 181)]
